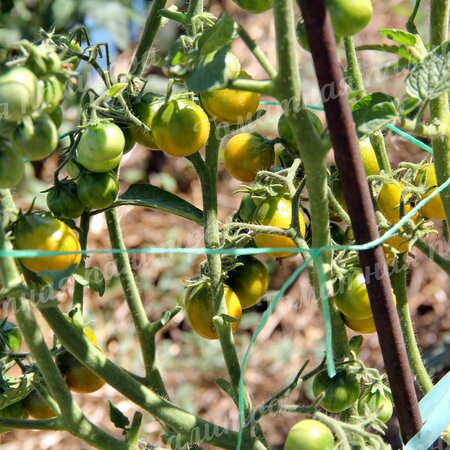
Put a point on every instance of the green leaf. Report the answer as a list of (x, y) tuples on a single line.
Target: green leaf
[(408, 106), (118, 418), (150, 196), (18, 390), (221, 34), (209, 74), (374, 112), (178, 60), (93, 278), (402, 52), (431, 78), (398, 66), (116, 89), (400, 36)]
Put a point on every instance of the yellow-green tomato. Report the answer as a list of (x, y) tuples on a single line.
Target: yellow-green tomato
[(37, 407), (42, 232), (180, 127), (12, 167), (101, 147), (230, 105), (309, 434), (276, 212), (434, 209), (350, 16), (200, 309), (249, 281), (246, 154), (376, 402), (369, 158), (14, 411)]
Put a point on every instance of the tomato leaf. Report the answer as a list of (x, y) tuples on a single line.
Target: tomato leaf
[(402, 51), (408, 106), (116, 89), (118, 418), (15, 389), (431, 78), (209, 74), (220, 35), (400, 36), (153, 197), (374, 112), (93, 278)]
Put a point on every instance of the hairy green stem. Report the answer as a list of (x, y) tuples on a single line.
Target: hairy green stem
[(439, 108), (78, 291), (313, 152), (420, 129), (398, 279), (259, 86), (143, 329), (356, 81), (151, 28)]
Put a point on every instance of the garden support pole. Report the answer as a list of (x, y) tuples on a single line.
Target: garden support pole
[(349, 163)]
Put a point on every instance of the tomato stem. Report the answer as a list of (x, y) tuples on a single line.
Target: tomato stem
[(78, 291), (432, 253), (398, 278)]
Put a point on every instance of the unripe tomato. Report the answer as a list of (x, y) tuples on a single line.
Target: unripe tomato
[(41, 232), (276, 212), (72, 169), (353, 299), (285, 130), (101, 147), (369, 158), (309, 434), (12, 167), (145, 110), (364, 326), (231, 105), (53, 93), (340, 392), (38, 142), (63, 201), (246, 154), (376, 402), (232, 64), (129, 140), (200, 309), (434, 209), (389, 201), (57, 116), (11, 338), (249, 281), (36, 407), (302, 37), (180, 127), (44, 62), (254, 6), (14, 411), (97, 190), (78, 377), (18, 91), (350, 16)]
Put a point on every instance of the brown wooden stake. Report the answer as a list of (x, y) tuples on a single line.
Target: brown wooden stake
[(348, 160)]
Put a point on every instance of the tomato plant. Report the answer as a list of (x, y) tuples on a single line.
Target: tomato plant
[(309, 434), (377, 402)]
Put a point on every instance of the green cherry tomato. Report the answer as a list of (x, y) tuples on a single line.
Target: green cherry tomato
[(63, 201), (42, 232), (11, 338), (200, 311), (129, 140), (180, 127), (350, 16), (309, 434), (12, 167), (231, 105), (18, 93), (254, 6), (38, 141), (249, 281), (97, 190), (72, 169), (37, 408), (245, 154), (145, 109), (369, 158), (389, 199), (101, 147), (302, 38), (352, 298), (376, 402), (14, 411), (232, 64), (340, 392), (57, 116), (363, 326)]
